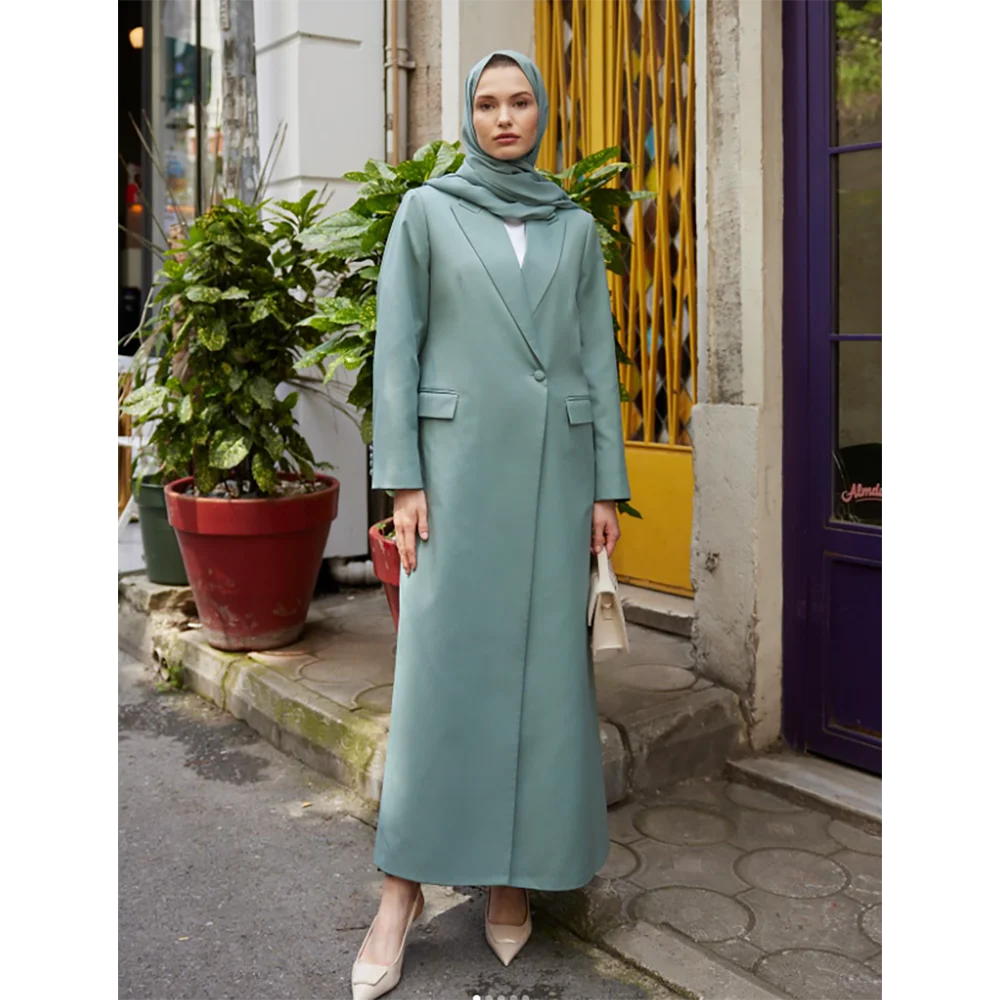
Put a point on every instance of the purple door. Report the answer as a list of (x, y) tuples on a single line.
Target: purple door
[(833, 379)]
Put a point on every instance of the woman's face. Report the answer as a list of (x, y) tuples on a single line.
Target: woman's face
[(505, 113)]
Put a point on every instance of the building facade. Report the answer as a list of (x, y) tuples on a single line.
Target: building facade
[(751, 305)]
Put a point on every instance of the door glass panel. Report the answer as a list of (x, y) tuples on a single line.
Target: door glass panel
[(857, 459), (859, 241), (858, 71), (179, 143)]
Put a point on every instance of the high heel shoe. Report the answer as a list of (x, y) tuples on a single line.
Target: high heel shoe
[(507, 940), (369, 980)]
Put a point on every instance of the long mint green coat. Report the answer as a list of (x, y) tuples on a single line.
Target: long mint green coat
[(496, 391)]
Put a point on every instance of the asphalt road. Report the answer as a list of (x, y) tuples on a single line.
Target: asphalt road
[(230, 887)]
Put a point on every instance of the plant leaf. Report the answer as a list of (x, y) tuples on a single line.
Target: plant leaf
[(234, 293), (145, 400), (262, 392), (627, 508), (264, 472), (214, 337), (228, 449), (202, 293), (273, 441), (185, 410)]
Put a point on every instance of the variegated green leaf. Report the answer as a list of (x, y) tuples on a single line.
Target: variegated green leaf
[(262, 392), (202, 293), (185, 410), (229, 448), (234, 293), (214, 335), (273, 441), (264, 472), (145, 400)]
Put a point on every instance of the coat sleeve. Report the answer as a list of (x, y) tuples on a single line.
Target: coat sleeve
[(401, 327), (601, 368)]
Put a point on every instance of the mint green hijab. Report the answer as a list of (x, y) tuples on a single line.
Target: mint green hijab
[(511, 189)]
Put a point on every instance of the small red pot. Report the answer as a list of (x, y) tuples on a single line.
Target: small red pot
[(385, 561), (252, 564)]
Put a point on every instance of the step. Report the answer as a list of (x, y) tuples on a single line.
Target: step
[(810, 781), (652, 609), (326, 699)]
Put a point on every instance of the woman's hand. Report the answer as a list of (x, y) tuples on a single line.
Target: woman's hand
[(409, 516), (606, 530)]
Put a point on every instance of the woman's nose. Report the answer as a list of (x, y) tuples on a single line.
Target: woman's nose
[(505, 117)]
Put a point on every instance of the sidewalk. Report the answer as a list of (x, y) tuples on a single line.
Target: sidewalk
[(721, 890)]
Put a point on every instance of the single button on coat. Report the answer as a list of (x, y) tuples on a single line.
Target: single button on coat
[(496, 391)]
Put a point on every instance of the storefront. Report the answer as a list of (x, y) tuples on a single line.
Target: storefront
[(833, 379)]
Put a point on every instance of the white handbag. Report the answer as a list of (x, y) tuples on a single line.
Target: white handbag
[(605, 615)]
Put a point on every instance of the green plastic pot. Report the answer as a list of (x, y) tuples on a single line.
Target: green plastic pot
[(159, 543)]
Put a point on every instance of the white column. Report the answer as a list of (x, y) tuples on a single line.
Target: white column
[(319, 69)]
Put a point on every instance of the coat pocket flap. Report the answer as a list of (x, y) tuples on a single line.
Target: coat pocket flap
[(579, 409), (440, 403)]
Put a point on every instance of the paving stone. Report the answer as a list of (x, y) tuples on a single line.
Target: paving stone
[(796, 874), (854, 839), (353, 660), (871, 925), (818, 975), (343, 692), (620, 821), (655, 677), (866, 876), (741, 952), (288, 663), (829, 924), (875, 963), (754, 798), (622, 861), (377, 698), (709, 792), (702, 915), (804, 831), (618, 701), (662, 865), (683, 825)]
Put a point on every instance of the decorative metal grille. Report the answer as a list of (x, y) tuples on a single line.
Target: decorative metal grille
[(621, 72)]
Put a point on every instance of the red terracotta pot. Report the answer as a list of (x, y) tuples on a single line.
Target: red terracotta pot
[(252, 564), (385, 561)]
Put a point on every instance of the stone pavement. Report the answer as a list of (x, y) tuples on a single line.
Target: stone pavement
[(723, 891), (786, 893)]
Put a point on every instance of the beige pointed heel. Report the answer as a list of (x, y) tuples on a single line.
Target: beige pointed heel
[(507, 940), (369, 980)]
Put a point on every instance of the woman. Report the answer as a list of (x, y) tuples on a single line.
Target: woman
[(497, 426)]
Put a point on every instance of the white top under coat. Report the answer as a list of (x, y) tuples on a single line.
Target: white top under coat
[(518, 239)]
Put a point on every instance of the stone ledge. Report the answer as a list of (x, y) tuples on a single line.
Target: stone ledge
[(850, 795), (691, 736), (664, 612), (148, 597)]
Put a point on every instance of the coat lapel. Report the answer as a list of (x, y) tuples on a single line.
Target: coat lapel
[(489, 239), (541, 259)]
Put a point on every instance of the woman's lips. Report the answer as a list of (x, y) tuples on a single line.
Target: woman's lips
[(507, 138)]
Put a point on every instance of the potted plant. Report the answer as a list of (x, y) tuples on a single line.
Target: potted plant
[(250, 512), (351, 244)]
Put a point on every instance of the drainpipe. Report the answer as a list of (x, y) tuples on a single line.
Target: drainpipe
[(397, 60)]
